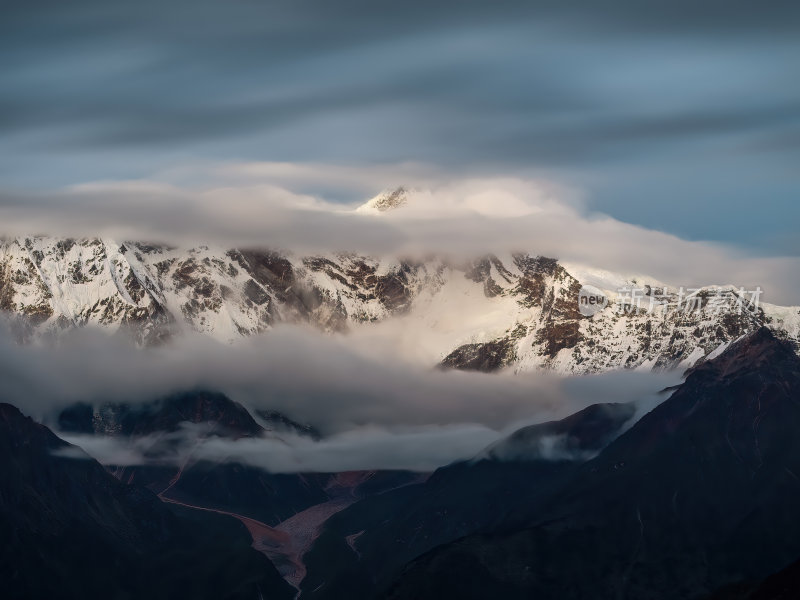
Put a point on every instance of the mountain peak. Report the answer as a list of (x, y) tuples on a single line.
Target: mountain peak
[(9, 411), (387, 200), (577, 437), (227, 417), (758, 349), (737, 401), (15, 426)]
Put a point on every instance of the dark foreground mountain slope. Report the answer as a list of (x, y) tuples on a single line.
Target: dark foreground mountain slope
[(702, 492), (363, 548), (783, 585), (71, 530)]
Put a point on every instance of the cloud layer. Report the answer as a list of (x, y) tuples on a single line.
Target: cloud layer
[(267, 205), (375, 409)]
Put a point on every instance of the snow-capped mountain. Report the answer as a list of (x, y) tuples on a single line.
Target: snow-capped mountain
[(519, 310)]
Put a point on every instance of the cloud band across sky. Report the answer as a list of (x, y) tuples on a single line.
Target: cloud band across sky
[(678, 116), (266, 205)]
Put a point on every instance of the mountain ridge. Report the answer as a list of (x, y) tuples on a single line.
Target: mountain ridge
[(700, 493), (517, 311), (71, 530)]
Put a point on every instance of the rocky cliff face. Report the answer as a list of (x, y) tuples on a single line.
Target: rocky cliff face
[(517, 311)]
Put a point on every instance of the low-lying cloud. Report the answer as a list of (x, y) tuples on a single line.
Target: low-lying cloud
[(374, 409), (462, 217), (422, 449)]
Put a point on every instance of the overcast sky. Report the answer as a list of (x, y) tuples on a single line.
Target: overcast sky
[(680, 116)]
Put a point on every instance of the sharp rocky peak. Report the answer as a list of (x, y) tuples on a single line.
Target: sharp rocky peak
[(387, 200)]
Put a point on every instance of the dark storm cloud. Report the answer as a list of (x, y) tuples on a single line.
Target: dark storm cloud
[(156, 72)]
